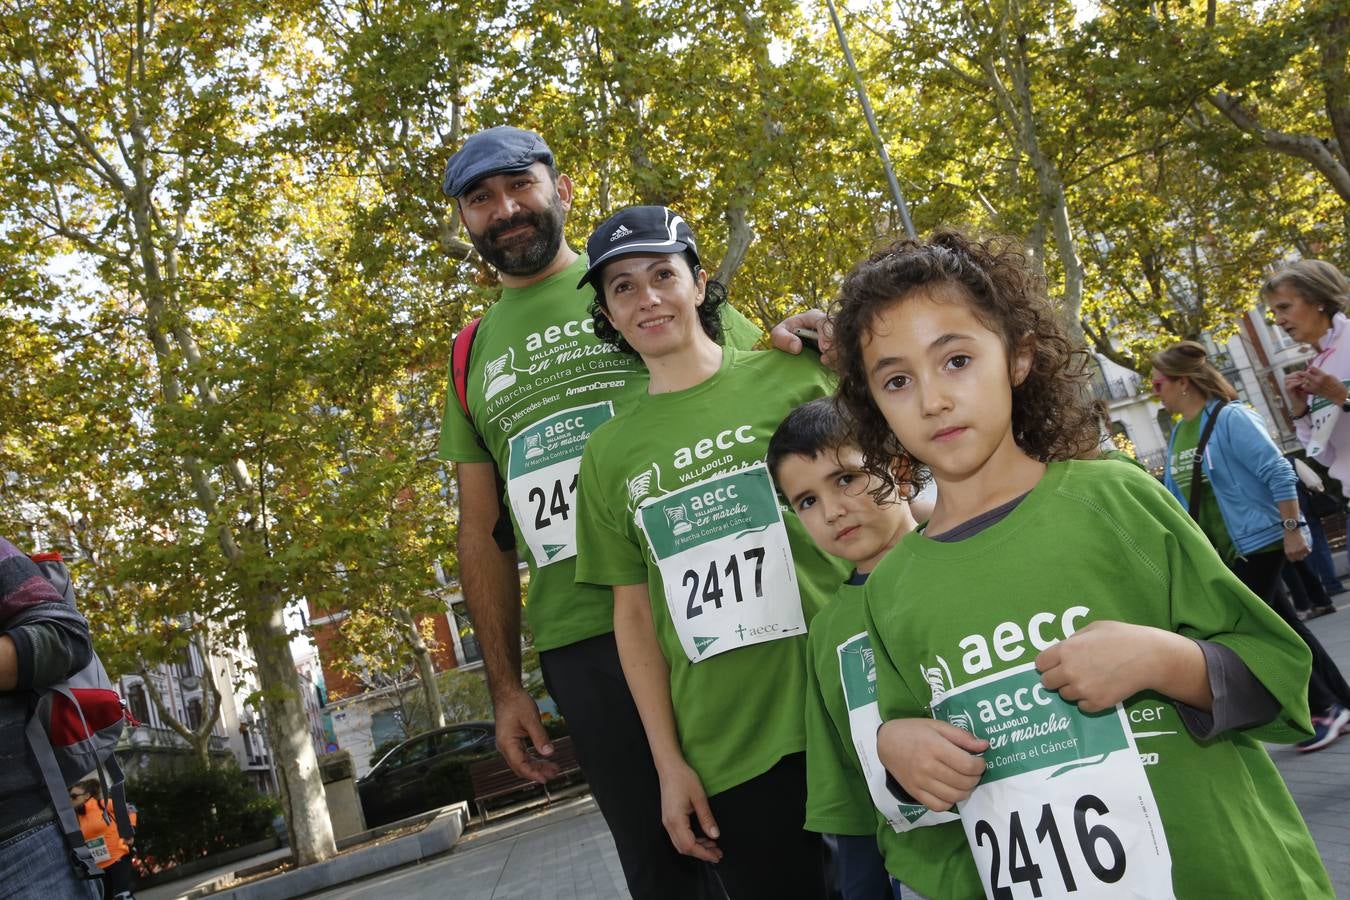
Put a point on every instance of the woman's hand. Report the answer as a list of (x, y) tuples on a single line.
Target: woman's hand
[(682, 796), (1321, 384), (1295, 547), (1294, 383)]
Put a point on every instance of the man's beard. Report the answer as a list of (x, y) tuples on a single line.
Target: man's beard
[(529, 254)]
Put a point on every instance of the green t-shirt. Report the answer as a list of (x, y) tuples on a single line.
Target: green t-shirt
[(539, 382), (1094, 542), (1182, 462), (675, 491), (838, 800)]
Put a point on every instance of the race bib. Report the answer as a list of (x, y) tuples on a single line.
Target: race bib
[(541, 479), (1064, 809), (1325, 416), (858, 675), (99, 847), (725, 562)]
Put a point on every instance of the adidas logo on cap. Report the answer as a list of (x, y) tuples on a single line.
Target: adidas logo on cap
[(621, 231)]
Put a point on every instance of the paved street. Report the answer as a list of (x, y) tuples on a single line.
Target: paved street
[(565, 855), (570, 854)]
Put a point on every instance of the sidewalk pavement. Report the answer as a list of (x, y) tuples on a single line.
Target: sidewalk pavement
[(566, 853)]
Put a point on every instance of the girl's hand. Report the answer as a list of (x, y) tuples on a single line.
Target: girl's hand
[(1107, 662), (682, 796), (1295, 547), (934, 761)]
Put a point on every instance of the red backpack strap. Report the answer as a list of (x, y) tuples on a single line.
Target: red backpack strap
[(460, 348)]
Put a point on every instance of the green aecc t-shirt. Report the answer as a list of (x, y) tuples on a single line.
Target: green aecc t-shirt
[(539, 383), (674, 493), (837, 797), (956, 626)]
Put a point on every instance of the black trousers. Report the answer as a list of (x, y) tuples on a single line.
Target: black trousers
[(765, 851), (586, 681), (1261, 573), (1305, 589), (117, 878)]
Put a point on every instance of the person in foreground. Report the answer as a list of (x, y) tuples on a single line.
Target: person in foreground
[(42, 641), (713, 589), (1246, 502), (1060, 652), (818, 469)]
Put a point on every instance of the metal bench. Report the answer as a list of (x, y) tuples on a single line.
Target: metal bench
[(492, 778)]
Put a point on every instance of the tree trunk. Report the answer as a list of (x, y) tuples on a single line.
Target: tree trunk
[(297, 766), (739, 238), (426, 671)]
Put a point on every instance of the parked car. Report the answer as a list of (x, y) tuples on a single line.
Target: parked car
[(426, 771)]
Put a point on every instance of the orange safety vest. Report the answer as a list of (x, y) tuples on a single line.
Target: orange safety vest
[(102, 836)]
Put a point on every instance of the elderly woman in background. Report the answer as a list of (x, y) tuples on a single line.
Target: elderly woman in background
[(1308, 299), (1224, 467)]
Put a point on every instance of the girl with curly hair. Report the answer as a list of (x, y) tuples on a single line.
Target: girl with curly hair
[(1060, 653)]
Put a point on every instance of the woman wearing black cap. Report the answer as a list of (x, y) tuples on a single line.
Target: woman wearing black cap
[(713, 585)]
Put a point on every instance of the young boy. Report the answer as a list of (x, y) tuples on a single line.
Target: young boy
[(819, 472)]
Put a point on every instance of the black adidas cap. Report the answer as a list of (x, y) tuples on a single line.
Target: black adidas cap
[(637, 229)]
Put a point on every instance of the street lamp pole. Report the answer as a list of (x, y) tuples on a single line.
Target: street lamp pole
[(896, 195)]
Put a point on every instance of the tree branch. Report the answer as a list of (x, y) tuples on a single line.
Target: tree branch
[(1319, 153)]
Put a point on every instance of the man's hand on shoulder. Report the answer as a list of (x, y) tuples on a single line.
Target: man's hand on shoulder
[(784, 337)]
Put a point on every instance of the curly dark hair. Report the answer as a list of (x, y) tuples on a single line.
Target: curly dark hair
[(709, 311), (1052, 414)]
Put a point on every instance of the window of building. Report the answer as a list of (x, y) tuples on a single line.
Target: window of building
[(137, 704), (466, 642), (194, 713), (183, 665), (386, 726)]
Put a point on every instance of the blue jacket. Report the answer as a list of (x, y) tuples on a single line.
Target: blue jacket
[(1247, 473)]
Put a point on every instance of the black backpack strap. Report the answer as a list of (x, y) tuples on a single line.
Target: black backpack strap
[(1196, 472)]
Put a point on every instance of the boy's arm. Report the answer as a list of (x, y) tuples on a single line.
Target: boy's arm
[(648, 677), (837, 799)]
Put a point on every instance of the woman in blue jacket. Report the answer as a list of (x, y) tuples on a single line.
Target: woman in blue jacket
[(1246, 502)]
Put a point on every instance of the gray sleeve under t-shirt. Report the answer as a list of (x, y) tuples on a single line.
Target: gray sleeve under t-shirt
[(1240, 699)]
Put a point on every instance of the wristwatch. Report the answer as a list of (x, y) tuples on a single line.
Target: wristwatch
[(1292, 524)]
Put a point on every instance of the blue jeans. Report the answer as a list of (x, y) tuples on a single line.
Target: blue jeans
[(36, 865)]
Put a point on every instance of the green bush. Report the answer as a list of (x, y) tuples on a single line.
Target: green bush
[(195, 811)]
